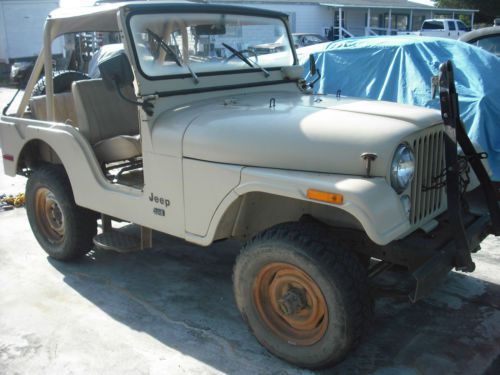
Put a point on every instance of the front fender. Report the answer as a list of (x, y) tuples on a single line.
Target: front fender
[(371, 201)]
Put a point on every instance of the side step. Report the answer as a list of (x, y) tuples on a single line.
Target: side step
[(113, 239), (117, 241)]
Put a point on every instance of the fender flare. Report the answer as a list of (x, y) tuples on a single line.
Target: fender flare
[(371, 201)]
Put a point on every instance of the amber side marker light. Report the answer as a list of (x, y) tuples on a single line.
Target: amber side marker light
[(324, 196)]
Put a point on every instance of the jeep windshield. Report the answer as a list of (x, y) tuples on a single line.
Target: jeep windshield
[(191, 44)]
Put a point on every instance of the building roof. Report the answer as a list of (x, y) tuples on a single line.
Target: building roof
[(346, 3), (394, 4), (402, 4), (374, 4)]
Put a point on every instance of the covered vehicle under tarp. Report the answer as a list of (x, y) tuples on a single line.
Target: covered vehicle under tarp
[(400, 69)]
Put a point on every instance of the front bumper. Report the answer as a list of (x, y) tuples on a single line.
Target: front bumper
[(431, 273), (431, 256), (470, 217)]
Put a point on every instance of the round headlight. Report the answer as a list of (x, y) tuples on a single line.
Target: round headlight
[(402, 168)]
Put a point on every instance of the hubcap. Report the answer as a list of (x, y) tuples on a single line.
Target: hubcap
[(48, 215), (291, 304)]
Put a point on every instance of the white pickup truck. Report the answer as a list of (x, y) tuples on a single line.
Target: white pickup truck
[(443, 28)]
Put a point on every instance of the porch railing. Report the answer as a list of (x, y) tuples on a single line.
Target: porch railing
[(344, 33), (379, 31)]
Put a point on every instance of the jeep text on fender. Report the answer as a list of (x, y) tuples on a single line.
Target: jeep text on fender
[(175, 121)]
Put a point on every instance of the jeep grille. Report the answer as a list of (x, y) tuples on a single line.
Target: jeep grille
[(429, 163)]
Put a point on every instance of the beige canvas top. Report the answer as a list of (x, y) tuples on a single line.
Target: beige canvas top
[(92, 18), (96, 18)]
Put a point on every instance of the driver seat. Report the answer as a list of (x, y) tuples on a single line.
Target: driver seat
[(110, 124)]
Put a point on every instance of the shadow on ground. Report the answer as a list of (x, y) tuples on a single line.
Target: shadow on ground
[(181, 295)]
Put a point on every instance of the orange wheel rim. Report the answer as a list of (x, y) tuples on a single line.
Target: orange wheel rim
[(48, 215), (291, 304)]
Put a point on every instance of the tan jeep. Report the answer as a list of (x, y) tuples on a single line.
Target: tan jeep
[(193, 131)]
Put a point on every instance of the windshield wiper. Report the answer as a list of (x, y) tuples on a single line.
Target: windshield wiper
[(172, 52), (240, 55), (193, 74), (265, 71), (165, 46)]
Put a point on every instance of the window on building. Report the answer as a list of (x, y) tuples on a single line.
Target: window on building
[(400, 21), (373, 20), (418, 20)]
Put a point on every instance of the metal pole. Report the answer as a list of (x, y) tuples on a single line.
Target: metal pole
[(49, 83), (37, 69), (410, 26), (389, 29), (368, 22), (333, 23), (341, 35), (472, 21)]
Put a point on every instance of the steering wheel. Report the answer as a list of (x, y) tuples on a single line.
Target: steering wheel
[(247, 51)]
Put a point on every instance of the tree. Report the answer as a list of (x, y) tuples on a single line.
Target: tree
[(488, 9)]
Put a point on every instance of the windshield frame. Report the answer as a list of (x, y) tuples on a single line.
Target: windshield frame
[(204, 9)]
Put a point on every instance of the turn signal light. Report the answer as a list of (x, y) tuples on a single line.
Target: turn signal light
[(324, 196)]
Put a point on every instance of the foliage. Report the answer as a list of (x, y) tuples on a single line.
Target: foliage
[(488, 9)]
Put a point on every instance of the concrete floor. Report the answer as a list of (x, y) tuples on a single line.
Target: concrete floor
[(170, 310)]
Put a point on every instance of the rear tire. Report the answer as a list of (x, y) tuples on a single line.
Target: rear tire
[(306, 300), (63, 229)]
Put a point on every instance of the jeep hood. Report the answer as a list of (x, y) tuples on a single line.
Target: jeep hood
[(307, 133)]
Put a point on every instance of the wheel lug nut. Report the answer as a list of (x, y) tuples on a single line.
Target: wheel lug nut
[(292, 302)]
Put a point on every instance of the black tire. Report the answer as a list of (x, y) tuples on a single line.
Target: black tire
[(62, 82), (279, 322), (63, 229)]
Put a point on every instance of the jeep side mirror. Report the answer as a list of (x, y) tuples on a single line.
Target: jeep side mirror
[(116, 71), (313, 71), (312, 65)]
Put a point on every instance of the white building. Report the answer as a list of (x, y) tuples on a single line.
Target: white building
[(355, 17), (21, 25)]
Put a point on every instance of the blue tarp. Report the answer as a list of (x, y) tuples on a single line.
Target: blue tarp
[(400, 69)]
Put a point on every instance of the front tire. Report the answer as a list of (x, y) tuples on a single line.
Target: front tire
[(305, 299), (63, 229)]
